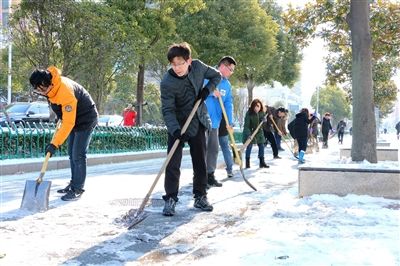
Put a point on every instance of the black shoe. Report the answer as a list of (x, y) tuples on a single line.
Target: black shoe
[(281, 149), (212, 182), (262, 163), (169, 207), (202, 203), (73, 194), (65, 190), (277, 157), (230, 175)]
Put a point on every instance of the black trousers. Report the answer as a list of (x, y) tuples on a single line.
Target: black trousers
[(325, 135), (271, 139), (197, 146)]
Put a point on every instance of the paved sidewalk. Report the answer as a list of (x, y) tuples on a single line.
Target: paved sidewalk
[(18, 166)]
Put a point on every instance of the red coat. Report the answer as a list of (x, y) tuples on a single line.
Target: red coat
[(129, 117)]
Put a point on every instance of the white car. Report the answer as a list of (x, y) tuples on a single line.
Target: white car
[(110, 120)]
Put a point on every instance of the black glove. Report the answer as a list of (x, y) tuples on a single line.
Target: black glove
[(203, 94), (50, 148), (177, 135), (264, 119)]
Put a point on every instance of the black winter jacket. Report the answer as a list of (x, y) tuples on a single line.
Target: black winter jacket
[(301, 125), (178, 97)]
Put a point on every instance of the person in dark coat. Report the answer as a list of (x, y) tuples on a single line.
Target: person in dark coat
[(181, 87), (269, 127), (326, 128), (300, 128), (254, 116), (340, 130), (313, 133)]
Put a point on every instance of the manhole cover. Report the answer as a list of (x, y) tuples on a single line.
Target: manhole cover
[(137, 202)]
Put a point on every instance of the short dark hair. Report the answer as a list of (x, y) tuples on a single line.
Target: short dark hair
[(40, 77), (179, 50), (282, 109), (227, 60)]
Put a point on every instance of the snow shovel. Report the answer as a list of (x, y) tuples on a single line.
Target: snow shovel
[(280, 132), (132, 217), (36, 193), (237, 156)]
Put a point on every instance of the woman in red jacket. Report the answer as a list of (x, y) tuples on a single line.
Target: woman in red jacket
[(129, 115)]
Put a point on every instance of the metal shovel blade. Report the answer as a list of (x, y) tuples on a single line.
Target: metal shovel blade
[(36, 196)]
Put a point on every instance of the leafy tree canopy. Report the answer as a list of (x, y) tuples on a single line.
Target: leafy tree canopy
[(327, 19)]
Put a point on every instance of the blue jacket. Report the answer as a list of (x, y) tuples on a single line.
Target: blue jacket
[(213, 106)]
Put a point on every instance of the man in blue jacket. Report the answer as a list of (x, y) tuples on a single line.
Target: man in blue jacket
[(226, 67)]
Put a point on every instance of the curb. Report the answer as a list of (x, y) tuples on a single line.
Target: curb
[(18, 166)]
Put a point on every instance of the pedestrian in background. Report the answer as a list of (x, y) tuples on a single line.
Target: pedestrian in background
[(314, 132), (129, 115), (273, 115), (340, 130), (74, 106), (281, 123), (326, 128)]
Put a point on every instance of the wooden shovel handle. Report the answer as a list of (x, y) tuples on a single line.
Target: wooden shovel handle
[(46, 160)]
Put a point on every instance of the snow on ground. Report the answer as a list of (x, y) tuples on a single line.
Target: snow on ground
[(271, 226)]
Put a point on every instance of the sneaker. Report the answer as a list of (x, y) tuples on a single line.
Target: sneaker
[(65, 190), (169, 207), (277, 157), (73, 194), (202, 203), (230, 175), (281, 149), (212, 182)]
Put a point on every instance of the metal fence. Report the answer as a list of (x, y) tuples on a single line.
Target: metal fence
[(29, 140)]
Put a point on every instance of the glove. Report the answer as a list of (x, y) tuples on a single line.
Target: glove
[(50, 148), (203, 94), (264, 119), (177, 135)]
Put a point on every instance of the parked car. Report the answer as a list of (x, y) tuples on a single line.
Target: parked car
[(110, 120), (25, 112)]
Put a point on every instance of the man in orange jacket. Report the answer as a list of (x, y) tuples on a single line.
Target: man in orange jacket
[(77, 111)]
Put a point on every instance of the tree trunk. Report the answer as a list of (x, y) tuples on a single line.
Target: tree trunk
[(139, 94), (364, 133), (250, 87)]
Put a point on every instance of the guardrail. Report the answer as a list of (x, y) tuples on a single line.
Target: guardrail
[(29, 140)]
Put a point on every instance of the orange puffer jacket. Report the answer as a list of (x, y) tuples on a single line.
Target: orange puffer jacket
[(72, 104)]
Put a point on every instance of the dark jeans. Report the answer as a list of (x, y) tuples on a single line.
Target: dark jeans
[(278, 140), (271, 139), (260, 150), (197, 146), (78, 144), (340, 136)]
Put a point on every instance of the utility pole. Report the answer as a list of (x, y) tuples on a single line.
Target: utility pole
[(9, 54), (317, 109), (9, 72)]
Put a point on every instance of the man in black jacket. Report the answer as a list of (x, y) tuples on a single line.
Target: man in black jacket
[(181, 87)]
